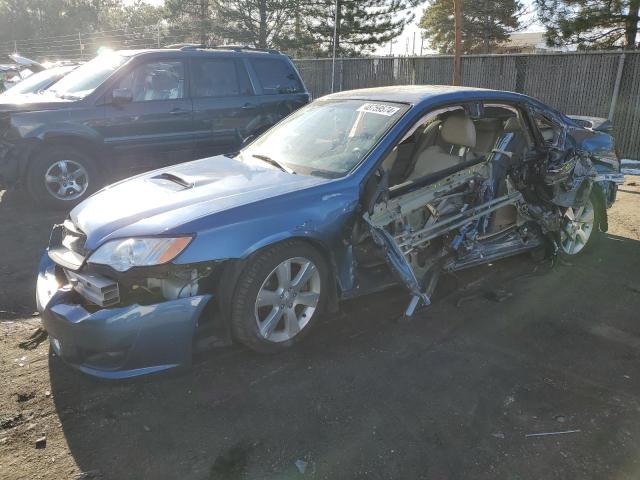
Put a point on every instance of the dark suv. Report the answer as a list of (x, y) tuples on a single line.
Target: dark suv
[(130, 111)]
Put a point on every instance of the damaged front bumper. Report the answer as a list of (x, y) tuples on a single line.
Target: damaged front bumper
[(119, 342)]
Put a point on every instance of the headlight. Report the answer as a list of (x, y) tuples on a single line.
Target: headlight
[(123, 254)]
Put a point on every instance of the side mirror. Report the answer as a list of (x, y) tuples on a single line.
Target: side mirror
[(121, 96)]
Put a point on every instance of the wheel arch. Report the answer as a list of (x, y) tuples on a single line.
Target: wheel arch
[(83, 144), (232, 269)]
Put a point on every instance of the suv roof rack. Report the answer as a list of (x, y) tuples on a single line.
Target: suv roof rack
[(239, 48), (185, 46), (235, 48)]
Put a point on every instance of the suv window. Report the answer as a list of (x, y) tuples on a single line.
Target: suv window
[(160, 80), (218, 77), (276, 76)]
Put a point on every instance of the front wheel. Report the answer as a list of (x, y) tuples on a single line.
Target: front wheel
[(62, 177), (280, 294), (581, 227)]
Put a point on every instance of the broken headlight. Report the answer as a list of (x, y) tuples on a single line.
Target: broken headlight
[(123, 254)]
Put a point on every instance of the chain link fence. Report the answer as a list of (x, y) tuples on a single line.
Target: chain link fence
[(604, 84)]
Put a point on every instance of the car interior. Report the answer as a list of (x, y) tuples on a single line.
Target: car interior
[(441, 141), (155, 81), (450, 137)]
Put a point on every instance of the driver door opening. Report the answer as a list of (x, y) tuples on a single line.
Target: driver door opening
[(449, 170)]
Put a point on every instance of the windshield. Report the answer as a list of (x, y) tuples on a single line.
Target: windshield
[(326, 138), (86, 78), (38, 81)]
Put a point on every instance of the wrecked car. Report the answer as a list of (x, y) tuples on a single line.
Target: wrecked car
[(356, 192), (21, 69), (36, 83)]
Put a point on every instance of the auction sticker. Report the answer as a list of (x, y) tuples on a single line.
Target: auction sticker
[(379, 108)]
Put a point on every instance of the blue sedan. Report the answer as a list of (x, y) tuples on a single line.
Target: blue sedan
[(354, 193)]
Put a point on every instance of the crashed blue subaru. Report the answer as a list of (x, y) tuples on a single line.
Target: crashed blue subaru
[(352, 194)]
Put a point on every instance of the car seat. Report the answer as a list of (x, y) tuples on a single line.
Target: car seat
[(457, 130)]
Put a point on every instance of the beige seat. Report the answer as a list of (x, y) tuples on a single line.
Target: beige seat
[(390, 160), (457, 130), (487, 132), (512, 125)]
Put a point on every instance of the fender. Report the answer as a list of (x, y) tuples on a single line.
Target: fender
[(35, 132), (242, 231)]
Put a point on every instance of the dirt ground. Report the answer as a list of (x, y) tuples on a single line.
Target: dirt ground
[(460, 392)]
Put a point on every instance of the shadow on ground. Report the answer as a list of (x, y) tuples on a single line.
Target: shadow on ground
[(453, 394), (25, 235)]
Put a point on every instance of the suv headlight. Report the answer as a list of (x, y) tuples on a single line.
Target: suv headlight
[(126, 253)]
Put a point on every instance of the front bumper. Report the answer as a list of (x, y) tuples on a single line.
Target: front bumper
[(118, 342)]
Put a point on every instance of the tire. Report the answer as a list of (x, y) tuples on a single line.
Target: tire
[(267, 325), (65, 164), (572, 235)]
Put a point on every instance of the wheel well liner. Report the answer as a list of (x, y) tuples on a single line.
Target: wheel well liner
[(602, 206)]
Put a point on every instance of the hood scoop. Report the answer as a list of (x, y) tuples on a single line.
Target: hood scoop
[(169, 179)]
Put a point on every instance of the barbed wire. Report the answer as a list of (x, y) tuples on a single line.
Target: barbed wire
[(84, 45)]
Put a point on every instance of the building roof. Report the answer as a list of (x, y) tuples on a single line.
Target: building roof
[(527, 39)]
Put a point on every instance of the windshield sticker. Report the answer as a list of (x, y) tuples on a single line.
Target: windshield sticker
[(379, 108)]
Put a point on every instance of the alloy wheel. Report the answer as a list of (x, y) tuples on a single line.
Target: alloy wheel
[(577, 228), (287, 299), (66, 180)]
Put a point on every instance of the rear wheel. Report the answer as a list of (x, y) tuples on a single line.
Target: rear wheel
[(280, 294), (581, 227), (62, 177)]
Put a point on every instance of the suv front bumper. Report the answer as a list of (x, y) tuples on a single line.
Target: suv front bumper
[(116, 342)]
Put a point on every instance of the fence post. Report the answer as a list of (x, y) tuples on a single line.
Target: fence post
[(616, 87)]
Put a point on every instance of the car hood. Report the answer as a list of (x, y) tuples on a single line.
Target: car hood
[(158, 202), (29, 102)]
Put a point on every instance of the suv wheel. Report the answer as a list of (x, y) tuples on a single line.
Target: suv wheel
[(62, 177), (279, 296)]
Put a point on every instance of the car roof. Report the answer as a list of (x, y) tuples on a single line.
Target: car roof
[(418, 94), (222, 51)]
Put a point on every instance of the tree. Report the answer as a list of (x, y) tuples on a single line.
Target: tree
[(25, 19), (485, 24), (591, 23), (362, 25), (254, 22), (186, 15), (136, 15)]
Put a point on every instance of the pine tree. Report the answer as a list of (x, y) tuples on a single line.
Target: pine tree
[(486, 24), (362, 25), (192, 14), (259, 23), (591, 23)]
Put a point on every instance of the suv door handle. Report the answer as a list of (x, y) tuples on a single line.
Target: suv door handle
[(179, 111), (249, 106)]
